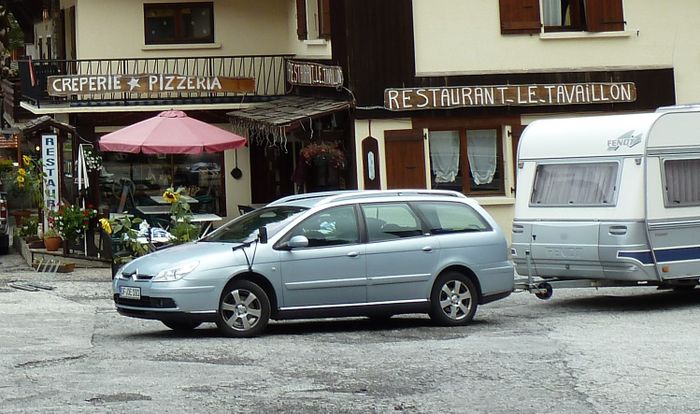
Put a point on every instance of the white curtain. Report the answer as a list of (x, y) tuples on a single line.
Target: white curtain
[(551, 12), (575, 184), (481, 150), (444, 155), (682, 182)]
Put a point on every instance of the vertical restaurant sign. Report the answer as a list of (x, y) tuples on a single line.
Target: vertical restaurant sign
[(314, 74), (446, 97), (49, 156)]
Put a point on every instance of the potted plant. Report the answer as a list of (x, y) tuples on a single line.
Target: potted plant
[(71, 222), (52, 240), (26, 186)]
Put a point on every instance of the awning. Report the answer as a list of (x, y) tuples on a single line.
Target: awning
[(273, 119)]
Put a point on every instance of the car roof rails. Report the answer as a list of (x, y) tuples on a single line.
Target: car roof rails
[(326, 197), (356, 195)]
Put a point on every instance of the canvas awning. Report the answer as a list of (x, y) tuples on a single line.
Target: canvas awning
[(272, 120)]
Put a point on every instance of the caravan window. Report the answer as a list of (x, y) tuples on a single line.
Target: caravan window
[(575, 184), (682, 182)]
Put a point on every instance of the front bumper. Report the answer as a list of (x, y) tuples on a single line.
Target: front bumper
[(167, 300)]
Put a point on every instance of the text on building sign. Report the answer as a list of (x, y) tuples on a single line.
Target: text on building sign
[(314, 74), (145, 83), (406, 99)]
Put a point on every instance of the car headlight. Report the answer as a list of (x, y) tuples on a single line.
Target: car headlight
[(175, 273)]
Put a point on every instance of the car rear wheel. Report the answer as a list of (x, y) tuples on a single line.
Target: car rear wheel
[(453, 300), (244, 309), (181, 325)]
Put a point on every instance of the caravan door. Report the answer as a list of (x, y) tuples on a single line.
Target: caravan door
[(673, 214), (673, 195)]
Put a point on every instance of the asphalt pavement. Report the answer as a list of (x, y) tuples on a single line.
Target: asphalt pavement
[(607, 351)]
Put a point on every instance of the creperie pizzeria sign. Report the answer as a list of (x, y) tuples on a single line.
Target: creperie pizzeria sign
[(145, 83), (407, 99)]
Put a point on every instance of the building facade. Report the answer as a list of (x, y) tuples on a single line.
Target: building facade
[(415, 94), (444, 88)]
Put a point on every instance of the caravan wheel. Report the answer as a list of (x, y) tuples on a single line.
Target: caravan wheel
[(545, 291)]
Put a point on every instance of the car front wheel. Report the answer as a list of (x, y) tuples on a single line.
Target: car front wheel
[(244, 309), (453, 300)]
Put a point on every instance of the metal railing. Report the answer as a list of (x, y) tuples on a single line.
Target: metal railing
[(267, 70)]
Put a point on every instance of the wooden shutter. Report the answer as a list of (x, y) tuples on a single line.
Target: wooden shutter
[(520, 16), (604, 16), (325, 7), (301, 19)]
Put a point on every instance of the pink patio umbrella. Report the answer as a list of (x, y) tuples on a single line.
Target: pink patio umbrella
[(170, 132)]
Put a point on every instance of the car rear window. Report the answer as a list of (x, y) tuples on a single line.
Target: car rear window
[(445, 217), (390, 221)]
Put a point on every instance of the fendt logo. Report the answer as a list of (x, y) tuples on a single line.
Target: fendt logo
[(628, 139)]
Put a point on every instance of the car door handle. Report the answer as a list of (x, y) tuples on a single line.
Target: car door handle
[(353, 254), (428, 249)]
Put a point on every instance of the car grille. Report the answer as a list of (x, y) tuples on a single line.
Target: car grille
[(146, 302)]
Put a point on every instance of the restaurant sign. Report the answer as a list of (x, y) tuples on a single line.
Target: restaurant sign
[(408, 99), (145, 83), (314, 74)]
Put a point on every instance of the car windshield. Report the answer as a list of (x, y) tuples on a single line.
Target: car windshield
[(245, 228)]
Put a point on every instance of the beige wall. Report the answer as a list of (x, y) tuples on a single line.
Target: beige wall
[(657, 35), (242, 27)]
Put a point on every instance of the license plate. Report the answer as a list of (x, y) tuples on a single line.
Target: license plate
[(130, 292)]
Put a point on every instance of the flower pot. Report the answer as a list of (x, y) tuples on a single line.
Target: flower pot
[(52, 244)]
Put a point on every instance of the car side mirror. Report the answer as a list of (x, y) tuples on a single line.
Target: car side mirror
[(296, 242), (262, 235)]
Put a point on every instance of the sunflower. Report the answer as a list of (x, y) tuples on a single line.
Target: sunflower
[(26, 159), (106, 225), (20, 179), (22, 172), (170, 196)]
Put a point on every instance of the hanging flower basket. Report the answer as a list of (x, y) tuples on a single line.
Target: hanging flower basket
[(323, 153)]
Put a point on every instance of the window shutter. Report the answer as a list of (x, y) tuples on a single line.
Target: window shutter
[(301, 19), (325, 7), (520, 16), (604, 16)]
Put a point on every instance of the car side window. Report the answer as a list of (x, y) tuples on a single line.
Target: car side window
[(446, 217), (390, 221), (332, 227)]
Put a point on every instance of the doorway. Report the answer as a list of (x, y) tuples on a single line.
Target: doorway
[(405, 159)]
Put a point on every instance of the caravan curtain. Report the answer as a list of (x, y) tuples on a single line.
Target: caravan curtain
[(575, 184), (682, 182), (444, 155), (481, 151)]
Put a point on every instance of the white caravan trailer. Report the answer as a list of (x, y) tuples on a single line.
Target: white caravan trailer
[(609, 200)]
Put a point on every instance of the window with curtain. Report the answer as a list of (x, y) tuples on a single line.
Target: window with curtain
[(444, 158), (468, 161), (482, 151), (575, 184), (523, 16), (682, 182)]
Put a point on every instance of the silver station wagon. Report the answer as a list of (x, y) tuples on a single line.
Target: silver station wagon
[(352, 253)]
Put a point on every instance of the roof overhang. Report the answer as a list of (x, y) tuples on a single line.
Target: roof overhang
[(279, 116)]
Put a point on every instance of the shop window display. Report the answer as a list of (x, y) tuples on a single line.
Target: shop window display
[(131, 180)]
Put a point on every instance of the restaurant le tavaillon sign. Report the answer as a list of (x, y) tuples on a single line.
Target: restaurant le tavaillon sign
[(145, 83), (407, 99)]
